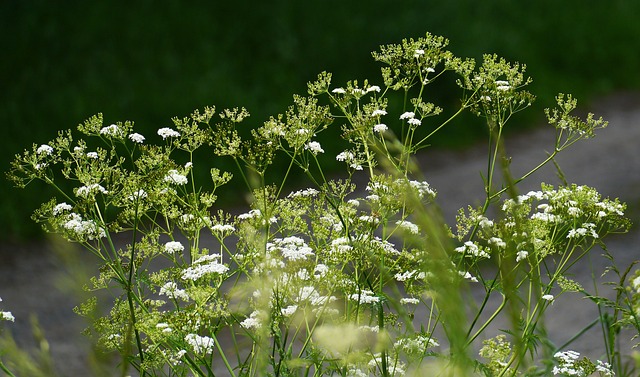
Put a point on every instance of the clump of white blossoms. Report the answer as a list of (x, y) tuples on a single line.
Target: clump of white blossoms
[(166, 132), (380, 128), (291, 248), (201, 344), (314, 147), (85, 191), (202, 266), (171, 289), (571, 365), (136, 138), (112, 131), (6, 316), (174, 177), (173, 247), (82, 228), (44, 149)]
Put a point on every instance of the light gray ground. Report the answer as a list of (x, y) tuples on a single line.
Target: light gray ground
[(31, 277)]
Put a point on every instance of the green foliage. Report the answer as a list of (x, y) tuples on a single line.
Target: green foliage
[(325, 280)]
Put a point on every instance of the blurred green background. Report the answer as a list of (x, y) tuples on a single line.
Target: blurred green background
[(148, 61)]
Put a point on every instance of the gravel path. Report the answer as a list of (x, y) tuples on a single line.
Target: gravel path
[(32, 277)]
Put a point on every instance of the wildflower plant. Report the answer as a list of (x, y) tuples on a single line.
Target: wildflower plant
[(354, 276)]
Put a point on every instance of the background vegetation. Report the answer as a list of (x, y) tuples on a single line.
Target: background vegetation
[(149, 61)]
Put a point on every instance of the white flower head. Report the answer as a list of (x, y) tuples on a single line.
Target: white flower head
[(314, 147), (414, 122), (200, 344), (61, 207), (338, 91), (176, 178), (253, 321), (112, 130), (166, 132), (136, 138), (345, 156), (380, 128), (6, 316), (419, 52), (173, 247), (547, 297), (44, 149), (408, 226), (378, 112), (140, 194), (522, 254), (407, 115), (373, 88)]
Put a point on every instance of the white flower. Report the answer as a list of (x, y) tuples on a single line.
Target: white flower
[(345, 156), (164, 327), (338, 91), (522, 254), (289, 310), (176, 178), (44, 148), (168, 132), (83, 228), (112, 130), (405, 275), (497, 242), (200, 344), (61, 207), (140, 194), (414, 122), (84, 191), (7, 316), (378, 112), (173, 247), (223, 228), (408, 226), (409, 300), (380, 127), (468, 276), (252, 322), (254, 213), (604, 368), (547, 297), (314, 147), (365, 297), (408, 115), (373, 88), (136, 138), (503, 85), (473, 249), (419, 52), (430, 70), (292, 248), (93, 155), (171, 289), (310, 192), (200, 268), (320, 270)]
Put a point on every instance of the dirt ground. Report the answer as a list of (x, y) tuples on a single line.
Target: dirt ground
[(34, 281)]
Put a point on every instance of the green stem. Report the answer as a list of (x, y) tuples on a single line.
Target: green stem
[(6, 370)]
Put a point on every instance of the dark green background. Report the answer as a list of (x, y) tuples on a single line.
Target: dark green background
[(148, 61)]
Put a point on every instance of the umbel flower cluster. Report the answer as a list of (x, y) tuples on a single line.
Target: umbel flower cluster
[(356, 276)]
